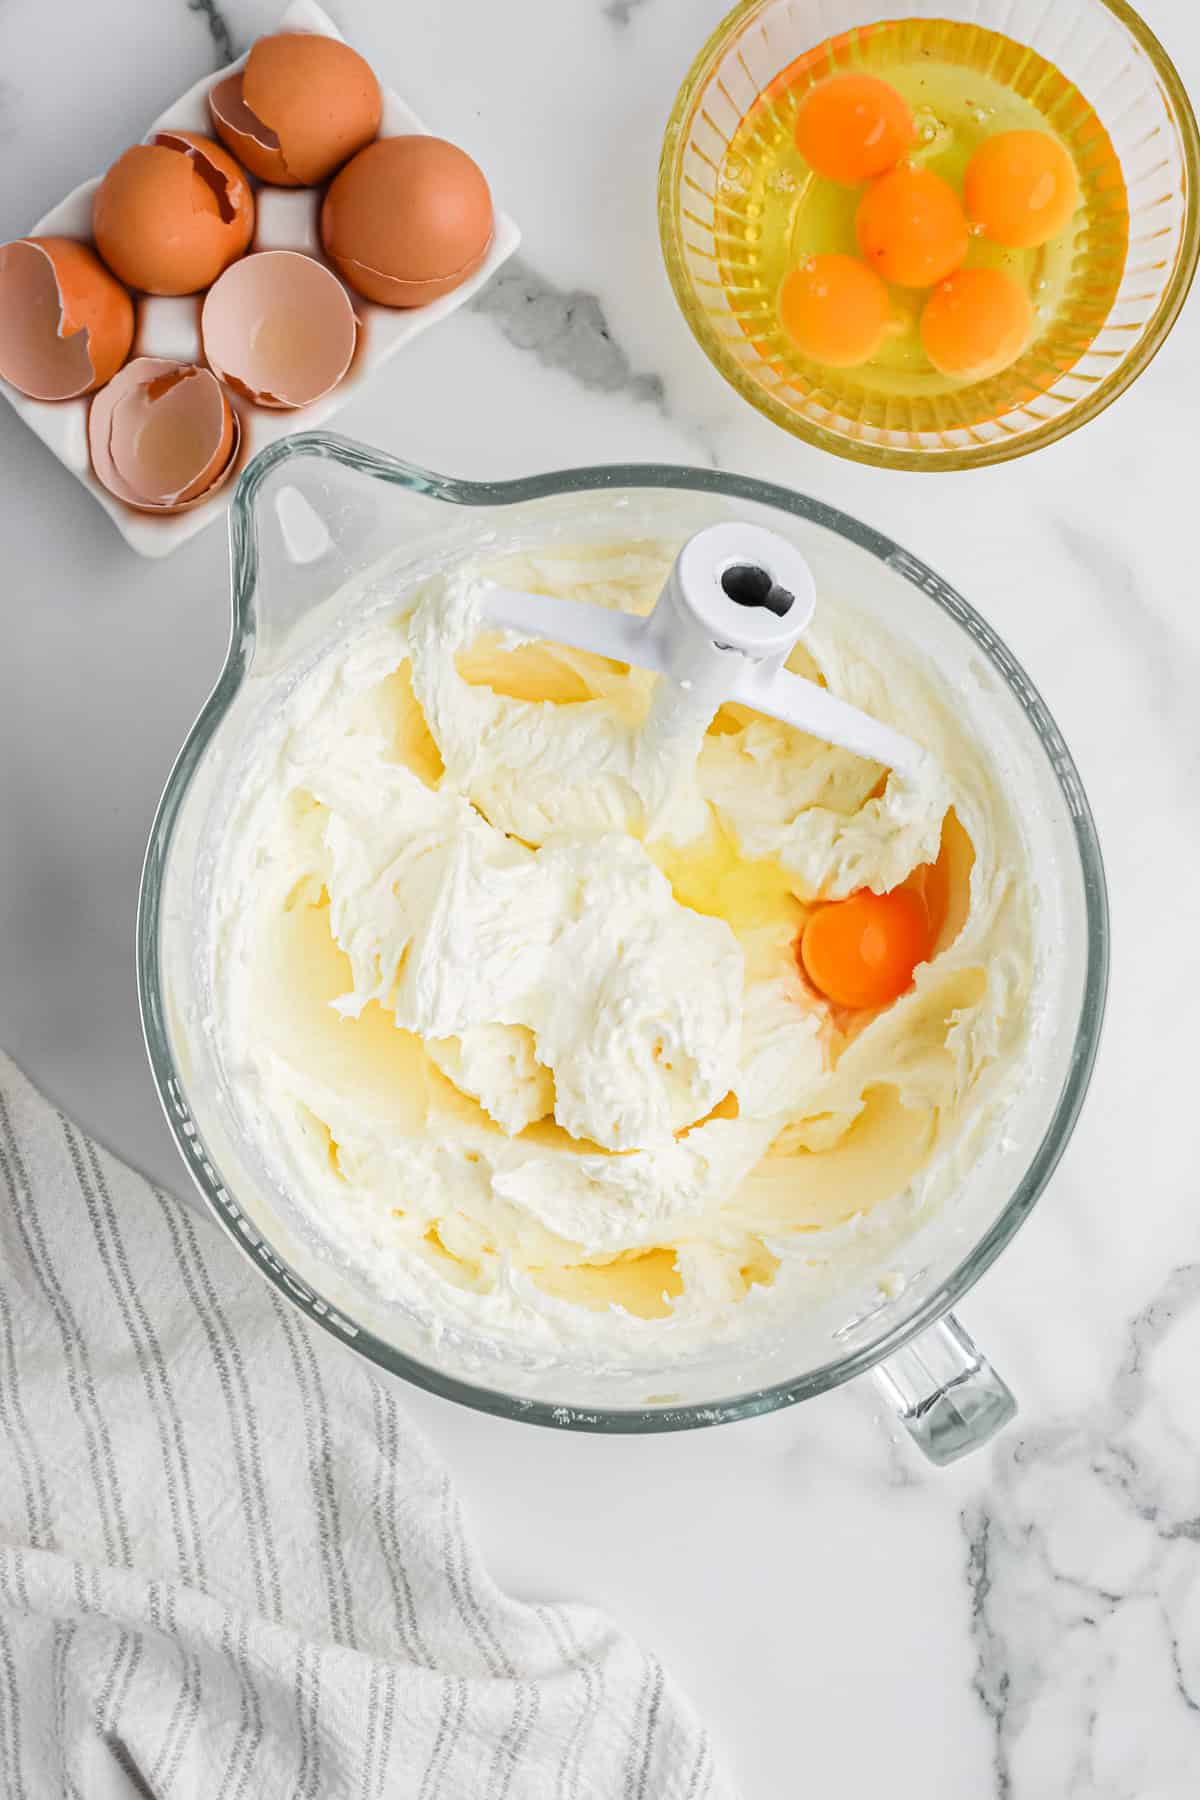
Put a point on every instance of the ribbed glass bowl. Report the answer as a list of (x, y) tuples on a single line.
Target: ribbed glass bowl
[(1078, 362)]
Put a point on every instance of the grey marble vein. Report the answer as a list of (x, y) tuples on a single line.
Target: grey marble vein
[(218, 28), (1085, 1541), (565, 328), (1181, 1685), (992, 1680), (621, 11)]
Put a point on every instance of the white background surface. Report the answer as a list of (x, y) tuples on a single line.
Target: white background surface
[(1027, 1624)]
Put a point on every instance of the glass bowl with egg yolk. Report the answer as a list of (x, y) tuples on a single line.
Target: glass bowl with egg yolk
[(346, 1143), (815, 195)]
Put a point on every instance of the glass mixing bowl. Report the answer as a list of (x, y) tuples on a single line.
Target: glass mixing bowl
[(325, 532), (1120, 304)]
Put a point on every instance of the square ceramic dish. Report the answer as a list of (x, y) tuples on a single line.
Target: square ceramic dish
[(286, 219)]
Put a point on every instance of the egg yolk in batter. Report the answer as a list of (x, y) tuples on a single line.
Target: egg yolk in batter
[(861, 952), (976, 323), (852, 127), (1021, 187), (911, 227), (835, 310)]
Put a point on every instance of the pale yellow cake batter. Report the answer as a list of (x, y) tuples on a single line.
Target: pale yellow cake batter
[(537, 1054)]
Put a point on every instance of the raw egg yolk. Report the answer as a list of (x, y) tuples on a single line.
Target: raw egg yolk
[(835, 310), (912, 228), (1021, 186), (852, 127), (861, 952), (976, 323)]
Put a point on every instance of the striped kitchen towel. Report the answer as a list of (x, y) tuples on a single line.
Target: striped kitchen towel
[(229, 1567)]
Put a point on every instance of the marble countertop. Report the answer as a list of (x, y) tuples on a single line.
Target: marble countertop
[(1026, 1624)]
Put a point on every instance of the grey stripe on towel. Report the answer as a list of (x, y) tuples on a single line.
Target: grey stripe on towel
[(229, 1566)]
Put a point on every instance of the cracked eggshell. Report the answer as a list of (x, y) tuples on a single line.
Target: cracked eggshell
[(407, 220), (171, 214), (301, 106), (162, 435), (279, 328), (66, 324)]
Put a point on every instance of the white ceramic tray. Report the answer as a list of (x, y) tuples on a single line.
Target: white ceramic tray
[(286, 219)]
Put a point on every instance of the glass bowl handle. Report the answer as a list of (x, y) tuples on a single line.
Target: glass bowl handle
[(945, 1392)]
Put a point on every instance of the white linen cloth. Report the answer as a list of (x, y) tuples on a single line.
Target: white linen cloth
[(230, 1569)]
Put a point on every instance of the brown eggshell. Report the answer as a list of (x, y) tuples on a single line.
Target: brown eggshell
[(171, 214), (279, 328), (300, 107), (65, 323), (407, 220), (254, 144), (162, 435)]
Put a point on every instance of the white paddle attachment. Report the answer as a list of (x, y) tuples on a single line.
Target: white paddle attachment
[(735, 602)]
